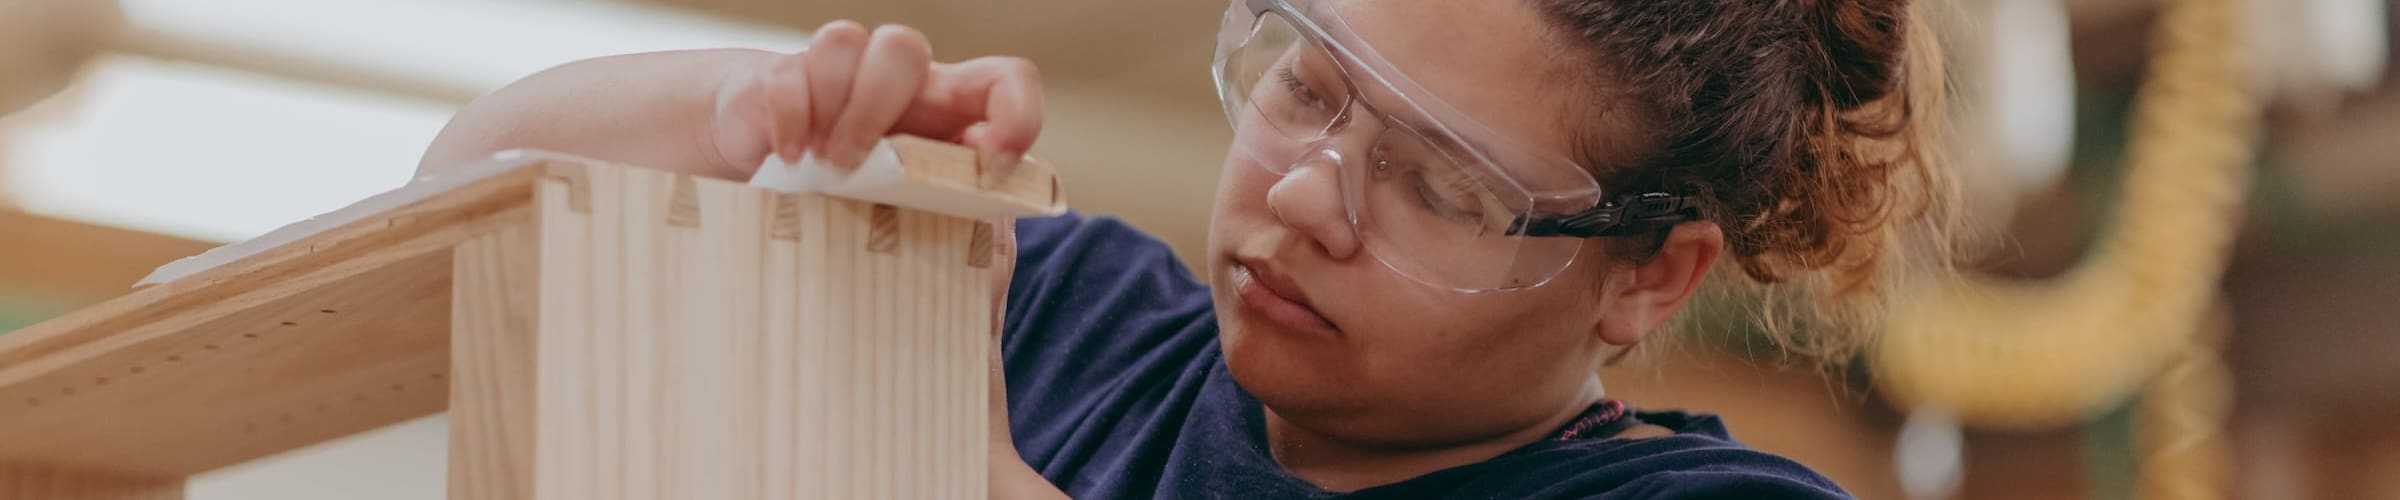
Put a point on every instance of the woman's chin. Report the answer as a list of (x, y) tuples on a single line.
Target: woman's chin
[(1286, 370)]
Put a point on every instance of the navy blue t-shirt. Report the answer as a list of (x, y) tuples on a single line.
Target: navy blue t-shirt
[(1117, 389)]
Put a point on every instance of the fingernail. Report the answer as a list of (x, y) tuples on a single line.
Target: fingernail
[(996, 166)]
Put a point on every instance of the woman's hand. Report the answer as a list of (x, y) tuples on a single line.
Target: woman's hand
[(724, 111), (852, 88), (721, 112)]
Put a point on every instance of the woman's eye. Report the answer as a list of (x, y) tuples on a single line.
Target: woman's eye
[(1449, 196), (1308, 96)]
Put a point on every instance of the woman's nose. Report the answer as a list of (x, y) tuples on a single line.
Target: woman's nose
[(1309, 199)]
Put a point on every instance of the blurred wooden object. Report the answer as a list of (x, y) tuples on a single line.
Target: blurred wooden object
[(596, 331), (67, 264), (44, 44), (42, 482)]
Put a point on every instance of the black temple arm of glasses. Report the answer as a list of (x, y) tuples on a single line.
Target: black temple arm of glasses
[(1627, 214)]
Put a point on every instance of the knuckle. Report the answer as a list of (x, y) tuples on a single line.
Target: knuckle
[(788, 68), (843, 25), (840, 32), (903, 38), (1018, 67)]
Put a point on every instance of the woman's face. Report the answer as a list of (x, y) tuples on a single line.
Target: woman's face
[(1322, 332)]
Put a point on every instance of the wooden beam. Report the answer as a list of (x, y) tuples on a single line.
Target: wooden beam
[(338, 333)]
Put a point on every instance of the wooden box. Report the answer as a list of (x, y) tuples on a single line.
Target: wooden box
[(595, 331)]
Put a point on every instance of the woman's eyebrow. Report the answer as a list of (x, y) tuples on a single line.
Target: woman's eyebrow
[(1375, 95)]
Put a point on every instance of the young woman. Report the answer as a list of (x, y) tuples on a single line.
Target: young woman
[(1437, 220)]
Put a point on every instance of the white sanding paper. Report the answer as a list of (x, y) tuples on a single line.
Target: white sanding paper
[(881, 179)]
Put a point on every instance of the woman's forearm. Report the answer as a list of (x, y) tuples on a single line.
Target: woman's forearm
[(652, 109), (1011, 479)]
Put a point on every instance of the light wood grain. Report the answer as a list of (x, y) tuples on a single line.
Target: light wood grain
[(600, 331), (492, 355), (42, 482), (701, 355), (339, 333), (1034, 184)]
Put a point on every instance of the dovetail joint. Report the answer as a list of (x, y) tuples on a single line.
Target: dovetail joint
[(579, 188), (683, 206), (883, 229), (979, 245), (784, 224)]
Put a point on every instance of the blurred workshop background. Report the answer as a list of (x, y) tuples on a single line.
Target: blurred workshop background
[(133, 132)]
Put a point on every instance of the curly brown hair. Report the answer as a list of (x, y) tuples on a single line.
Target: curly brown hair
[(1806, 129)]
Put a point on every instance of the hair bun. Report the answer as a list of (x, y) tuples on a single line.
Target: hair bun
[(1867, 40)]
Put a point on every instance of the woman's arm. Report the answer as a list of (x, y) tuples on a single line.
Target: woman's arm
[(721, 112), (1012, 479), (652, 109)]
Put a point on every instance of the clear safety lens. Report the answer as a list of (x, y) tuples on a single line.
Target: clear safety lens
[(1423, 206), (1429, 215), (1285, 85)]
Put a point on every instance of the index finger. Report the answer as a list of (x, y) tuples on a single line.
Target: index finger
[(993, 104)]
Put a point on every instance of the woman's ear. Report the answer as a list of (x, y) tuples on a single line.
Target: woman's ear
[(1659, 287)]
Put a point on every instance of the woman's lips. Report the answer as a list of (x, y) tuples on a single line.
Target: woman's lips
[(1275, 297)]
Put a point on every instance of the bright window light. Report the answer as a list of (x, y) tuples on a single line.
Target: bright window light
[(462, 44), (215, 154), (194, 134), (216, 147)]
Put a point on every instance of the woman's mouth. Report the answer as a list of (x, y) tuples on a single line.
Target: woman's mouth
[(1275, 297)]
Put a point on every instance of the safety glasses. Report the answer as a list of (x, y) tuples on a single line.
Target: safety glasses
[(1430, 193)]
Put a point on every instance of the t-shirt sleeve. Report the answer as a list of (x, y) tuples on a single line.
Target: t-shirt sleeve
[(1099, 316)]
